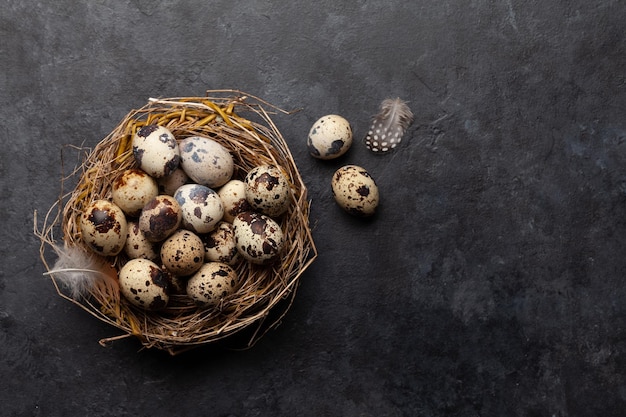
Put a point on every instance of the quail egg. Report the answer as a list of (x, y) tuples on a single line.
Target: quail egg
[(182, 253), (144, 284), (156, 151), (201, 207), (160, 218), (267, 190), (132, 190), (258, 237), (355, 190), (220, 245), (330, 137), (206, 161), (103, 227), (211, 283)]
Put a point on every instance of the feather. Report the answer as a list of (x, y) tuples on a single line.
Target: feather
[(80, 271), (389, 125)]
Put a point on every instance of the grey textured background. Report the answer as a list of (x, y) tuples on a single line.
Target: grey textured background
[(491, 282)]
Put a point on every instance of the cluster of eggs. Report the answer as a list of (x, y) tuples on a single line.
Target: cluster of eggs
[(353, 187), (184, 222)]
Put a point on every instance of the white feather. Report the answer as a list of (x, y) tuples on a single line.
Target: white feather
[(79, 271), (389, 125)]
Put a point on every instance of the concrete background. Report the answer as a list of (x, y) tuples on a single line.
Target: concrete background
[(491, 282)]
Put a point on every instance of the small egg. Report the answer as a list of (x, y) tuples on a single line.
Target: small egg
[(103, 227), (160, 218), (144, 284), (355, 190), (137, 246), (330, 137), (267, 190), (206, 161), (258, 237), (182, 253), (201, 207), (132, 190), (156, 151), (233, 196), (168, 185), (211, 284), (220, 244)]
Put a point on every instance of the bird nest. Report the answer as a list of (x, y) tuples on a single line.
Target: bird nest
[(242, 124)]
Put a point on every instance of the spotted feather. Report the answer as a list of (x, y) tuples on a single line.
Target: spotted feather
[(388, 126)]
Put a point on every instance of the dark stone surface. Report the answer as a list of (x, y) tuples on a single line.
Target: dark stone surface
[(490, 283)]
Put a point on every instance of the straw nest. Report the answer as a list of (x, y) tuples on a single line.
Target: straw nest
[(241, 123)]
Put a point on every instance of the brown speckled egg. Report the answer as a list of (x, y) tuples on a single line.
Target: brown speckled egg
[(205, 161), (144, 284), (103, 227), (220, 244), (233, 196), (132, 190), (201, 207), (329, 137), (137, 246), (182, 253), (259, 239), (160, 218), (267, 190), (211, 283), (355, 191), (156, 150)]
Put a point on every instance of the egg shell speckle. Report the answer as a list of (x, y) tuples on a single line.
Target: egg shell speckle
[(355, 190), (182, 253), (329, 137), (201, 207), (233, 196), (156, 151), (267, 190), (144, 284), (206, 161), (160, 218), (132, 190), (103, 227), (211, 283), (220, 244), (259, 238)]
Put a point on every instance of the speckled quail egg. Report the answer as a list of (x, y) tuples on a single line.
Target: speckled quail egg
[(156, 151), (258, 237), (355, 191), (220, 244), (206, 161), (201, 207), (137, 246), (182, 253), (330, 137), (160, 218), (144, 284), (233, 196), (168, 185), (267, 190), (132, 190), (211, 283), (103, 227)]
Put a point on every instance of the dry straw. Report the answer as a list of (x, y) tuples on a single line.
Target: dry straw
[(253, 140)]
